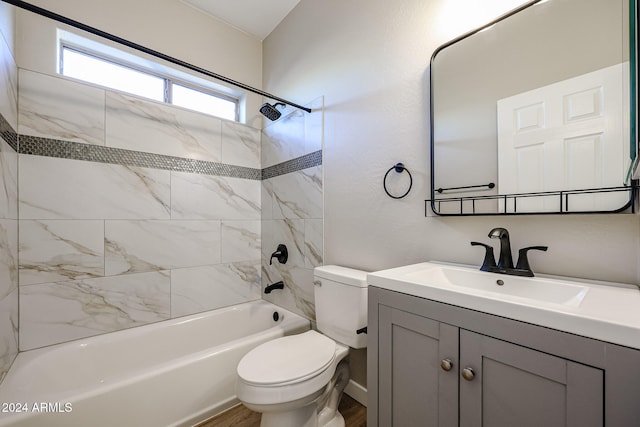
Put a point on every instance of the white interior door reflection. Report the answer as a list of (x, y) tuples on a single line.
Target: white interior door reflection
[(573, 134)]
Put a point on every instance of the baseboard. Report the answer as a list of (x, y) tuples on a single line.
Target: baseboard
[(357, 392)]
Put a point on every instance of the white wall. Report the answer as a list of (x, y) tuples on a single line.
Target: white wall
[(370, 59), (168, 26)]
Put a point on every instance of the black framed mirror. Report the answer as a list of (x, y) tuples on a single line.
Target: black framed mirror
[(535, 112)]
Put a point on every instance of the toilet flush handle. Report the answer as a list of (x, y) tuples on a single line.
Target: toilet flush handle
[(362, 331)]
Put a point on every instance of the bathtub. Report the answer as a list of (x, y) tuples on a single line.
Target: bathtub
[(173, 373)]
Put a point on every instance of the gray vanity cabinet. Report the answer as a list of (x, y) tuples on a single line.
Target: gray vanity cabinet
[(511, 385), (434, 364), (411, 350)]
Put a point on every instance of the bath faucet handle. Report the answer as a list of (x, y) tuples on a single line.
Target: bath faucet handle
[(489, 262), (281, 254), (523, 260)]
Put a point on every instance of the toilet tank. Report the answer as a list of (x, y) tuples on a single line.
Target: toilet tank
[(341, 303)]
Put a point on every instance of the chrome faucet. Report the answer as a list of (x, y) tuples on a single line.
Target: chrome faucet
[(505, 261)]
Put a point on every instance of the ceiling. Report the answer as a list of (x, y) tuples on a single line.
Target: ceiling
[(255, 17)]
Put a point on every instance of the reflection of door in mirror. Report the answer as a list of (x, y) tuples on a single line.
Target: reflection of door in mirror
[(570, 135), (568, 68)]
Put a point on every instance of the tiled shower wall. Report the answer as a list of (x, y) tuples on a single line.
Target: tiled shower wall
[(292, 206), (131, 211), (8, 208)]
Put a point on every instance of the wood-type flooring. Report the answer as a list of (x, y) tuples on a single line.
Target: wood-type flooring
[(355, 415)]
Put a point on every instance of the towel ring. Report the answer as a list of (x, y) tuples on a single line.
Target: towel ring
[(399, 168)]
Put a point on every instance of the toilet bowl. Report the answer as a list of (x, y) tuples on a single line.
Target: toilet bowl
[(298, 380), (290, 375)]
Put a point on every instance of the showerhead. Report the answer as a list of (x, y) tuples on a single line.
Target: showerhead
[(270, 111)]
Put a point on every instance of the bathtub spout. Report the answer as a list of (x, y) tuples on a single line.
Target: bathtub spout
[(277, 285)]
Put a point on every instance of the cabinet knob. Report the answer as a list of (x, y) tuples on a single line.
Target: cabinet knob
[(446, 364), (468, 374)]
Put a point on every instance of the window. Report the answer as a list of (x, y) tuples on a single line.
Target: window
[(195, 99), (115, 76), (93, 68)]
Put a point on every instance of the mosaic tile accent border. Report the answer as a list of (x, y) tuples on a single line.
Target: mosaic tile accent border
[(96, 153), (293, 165), (8, 134)]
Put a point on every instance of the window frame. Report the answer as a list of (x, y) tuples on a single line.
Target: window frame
[(169, 80)]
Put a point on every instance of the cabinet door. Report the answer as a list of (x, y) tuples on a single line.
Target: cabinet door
[(414, 390), (517, 386)]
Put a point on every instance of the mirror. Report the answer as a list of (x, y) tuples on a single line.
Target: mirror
[(532, 112)]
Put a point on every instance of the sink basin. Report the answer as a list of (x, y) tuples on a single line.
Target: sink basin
[(603, 311), (530, 288)]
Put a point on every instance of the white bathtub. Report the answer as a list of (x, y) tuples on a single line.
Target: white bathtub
[(173, 373)]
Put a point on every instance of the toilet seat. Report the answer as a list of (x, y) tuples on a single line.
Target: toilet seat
[(287, 360)]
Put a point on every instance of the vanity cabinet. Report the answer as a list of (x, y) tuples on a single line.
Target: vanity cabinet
[(414, 389), (434, 364), (509, 385)]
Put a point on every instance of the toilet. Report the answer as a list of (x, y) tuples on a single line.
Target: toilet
[(298, 380)]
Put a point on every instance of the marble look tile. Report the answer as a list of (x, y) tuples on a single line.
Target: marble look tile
[(313, 242), (241, 240), (298, 194), (212, 197), (52, 188), (303, 291), (297, 294), (283, 140), (58, 250), (141, 125), (289, 232), (58, 108), (8, 291), (8, 331), (8, 181), (194, 290), (267, 199), (57, 312), (137, 246), (8, 85), (282, 297), (240, 145), (305, 252), (8, 256)]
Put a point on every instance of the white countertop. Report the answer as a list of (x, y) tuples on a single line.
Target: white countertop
[(608, 312)]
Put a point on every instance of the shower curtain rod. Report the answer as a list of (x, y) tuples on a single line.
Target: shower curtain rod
[(48, 14)]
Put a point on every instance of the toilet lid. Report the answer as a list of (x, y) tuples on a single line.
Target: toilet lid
[(287, 359)]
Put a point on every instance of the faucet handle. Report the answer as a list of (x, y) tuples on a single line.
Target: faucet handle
[(281, 254), (489, 262), (523, 260)]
